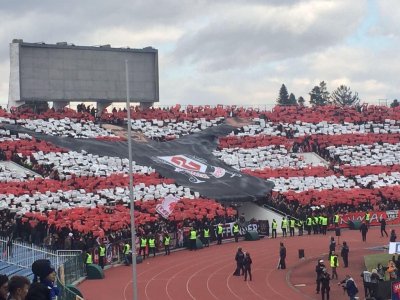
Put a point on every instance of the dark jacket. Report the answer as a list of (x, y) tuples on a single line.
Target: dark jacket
[(247, 263), (318, 269), (239, 257), (38, 291), (282, 252), (345, 251)]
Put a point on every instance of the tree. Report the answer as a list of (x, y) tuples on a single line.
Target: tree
[(343, 96), (283, 98), (301, 101), (319, 95), (292, 99), (394, 104)]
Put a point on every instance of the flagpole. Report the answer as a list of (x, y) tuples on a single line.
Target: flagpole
[(132, 210)]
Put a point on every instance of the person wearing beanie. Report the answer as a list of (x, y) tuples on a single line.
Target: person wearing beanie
[(44, 278), (18, 287), (3, 287)]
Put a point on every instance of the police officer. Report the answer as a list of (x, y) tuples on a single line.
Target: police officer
[(284, 226), (292, 224), (192, 239), (236, 232), (125, 251), (102, 255), (274, 227), (220, 230), (152, 245), (166, 242), (206, 237), (143, 245)]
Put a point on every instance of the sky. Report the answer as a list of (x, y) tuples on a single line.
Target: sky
[(228, 52)]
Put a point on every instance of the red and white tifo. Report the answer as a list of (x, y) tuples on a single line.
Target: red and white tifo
[(317, 156)]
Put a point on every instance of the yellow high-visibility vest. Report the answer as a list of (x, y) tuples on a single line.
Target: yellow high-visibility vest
[(143, 242), (152, 243), (292, 223), (333, 261), (220, 229), (206, 233), (309, 221), (284, 224), (235, 228), (127, 247), (193, 234), (102, 251), (367, 216), (166, 240), (274, 225), (89, 259), (336, 219)]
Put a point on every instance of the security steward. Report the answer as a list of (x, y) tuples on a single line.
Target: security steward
[(367, 218), (284, 226), (143, 245), (127, 248), (166, 242), (192, 239), (236, 232), (274, 227), (206, 237), (102, 255), (292, 224), (334, 264), (299, 225), (152, 245), (220, 230), (88, 259), (336, 220), (309, 225), (315, 224)]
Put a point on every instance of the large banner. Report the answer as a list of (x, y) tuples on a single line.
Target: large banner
[(228, 229), (391, 217)]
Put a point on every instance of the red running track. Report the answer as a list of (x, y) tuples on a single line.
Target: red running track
[(207, 273)]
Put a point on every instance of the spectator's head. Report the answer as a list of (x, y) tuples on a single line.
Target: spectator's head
[(3, 287), (344, 244), (42, 269), (18, 287), (321, 261)]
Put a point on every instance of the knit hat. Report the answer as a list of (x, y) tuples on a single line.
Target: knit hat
[(42, 268), (3, 279)]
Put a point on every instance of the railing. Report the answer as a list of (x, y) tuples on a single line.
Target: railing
[(69, 272)]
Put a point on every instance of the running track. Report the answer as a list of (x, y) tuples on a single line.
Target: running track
[(207, 273)]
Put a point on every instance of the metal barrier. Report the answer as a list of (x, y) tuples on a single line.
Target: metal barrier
[(69, 272)]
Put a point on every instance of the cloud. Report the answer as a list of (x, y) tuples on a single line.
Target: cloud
[(241, 35)]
